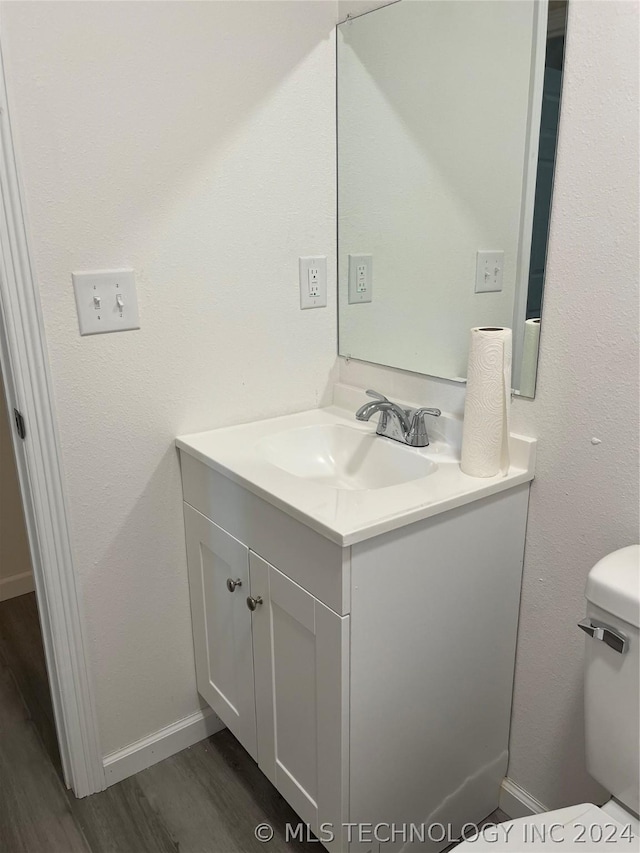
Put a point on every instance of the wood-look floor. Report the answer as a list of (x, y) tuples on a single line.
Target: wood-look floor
[(206, 799), (21, 652)]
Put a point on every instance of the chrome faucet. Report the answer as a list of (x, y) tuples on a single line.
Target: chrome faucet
[(405, 425)]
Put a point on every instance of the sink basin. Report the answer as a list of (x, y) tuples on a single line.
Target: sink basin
[(344, 458), (332, 473)]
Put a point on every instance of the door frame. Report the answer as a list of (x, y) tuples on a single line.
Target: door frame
[(28, 387)]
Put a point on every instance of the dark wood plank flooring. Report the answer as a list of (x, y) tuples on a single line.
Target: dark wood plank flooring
[(206, 799), (22, 653)]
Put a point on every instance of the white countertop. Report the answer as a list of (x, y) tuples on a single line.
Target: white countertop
[(345, 516)]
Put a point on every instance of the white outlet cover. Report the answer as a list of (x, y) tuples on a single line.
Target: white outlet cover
[(489, 265), (307, 300), (106, 301), (356, 292)]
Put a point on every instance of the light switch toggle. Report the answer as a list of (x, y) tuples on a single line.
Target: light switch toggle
[(106, 301), (489, 265)]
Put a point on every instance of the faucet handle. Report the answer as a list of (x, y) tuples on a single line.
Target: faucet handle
[(418, 436), (426, 411), (376, 396), (365, 412)]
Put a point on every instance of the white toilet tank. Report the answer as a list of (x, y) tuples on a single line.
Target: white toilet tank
[(612, 675)]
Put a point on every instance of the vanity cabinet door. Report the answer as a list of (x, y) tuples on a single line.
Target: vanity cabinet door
[(301, 677), (218, 587)]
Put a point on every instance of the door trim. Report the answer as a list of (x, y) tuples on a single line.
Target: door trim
[(25, 370)]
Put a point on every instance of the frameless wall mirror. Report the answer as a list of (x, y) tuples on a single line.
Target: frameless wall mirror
[(447, 126)]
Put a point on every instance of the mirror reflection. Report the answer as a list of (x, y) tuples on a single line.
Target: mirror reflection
[(447, 126)]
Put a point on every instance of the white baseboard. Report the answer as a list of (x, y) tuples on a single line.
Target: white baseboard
[(16, 585), (516, 802), (160, 745)]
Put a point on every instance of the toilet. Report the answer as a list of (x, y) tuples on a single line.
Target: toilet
[(612, 687)]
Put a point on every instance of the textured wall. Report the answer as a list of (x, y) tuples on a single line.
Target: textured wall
[(194, 142), (584, 500), (15, 560)]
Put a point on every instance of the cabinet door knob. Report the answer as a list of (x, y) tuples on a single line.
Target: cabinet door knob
[(231, 584), (252, 602)]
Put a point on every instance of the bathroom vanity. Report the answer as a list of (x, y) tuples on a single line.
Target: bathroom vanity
[(354, 621)]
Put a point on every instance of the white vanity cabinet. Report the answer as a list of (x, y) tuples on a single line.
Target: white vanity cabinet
[(371, 683), (272, 661), (301, 658), (218, 583)]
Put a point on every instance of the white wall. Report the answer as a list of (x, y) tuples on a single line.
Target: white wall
[(16, 576), (433, 101), (584, 500), (172, 137)]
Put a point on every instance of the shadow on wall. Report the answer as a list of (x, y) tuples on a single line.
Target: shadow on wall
[(149, 528), (568, 750), (156, 118)]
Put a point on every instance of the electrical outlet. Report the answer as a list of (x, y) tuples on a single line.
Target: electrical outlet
[(360, 278), (313, 282)]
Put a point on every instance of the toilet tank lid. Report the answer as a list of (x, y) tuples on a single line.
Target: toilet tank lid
[(614, 584)]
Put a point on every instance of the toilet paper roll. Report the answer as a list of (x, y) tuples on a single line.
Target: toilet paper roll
[(529, 357), (485, 432)]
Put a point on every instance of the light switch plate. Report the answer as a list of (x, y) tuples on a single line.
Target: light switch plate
[(360, 278), (106, 301), (313, 282), (489, 266)]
